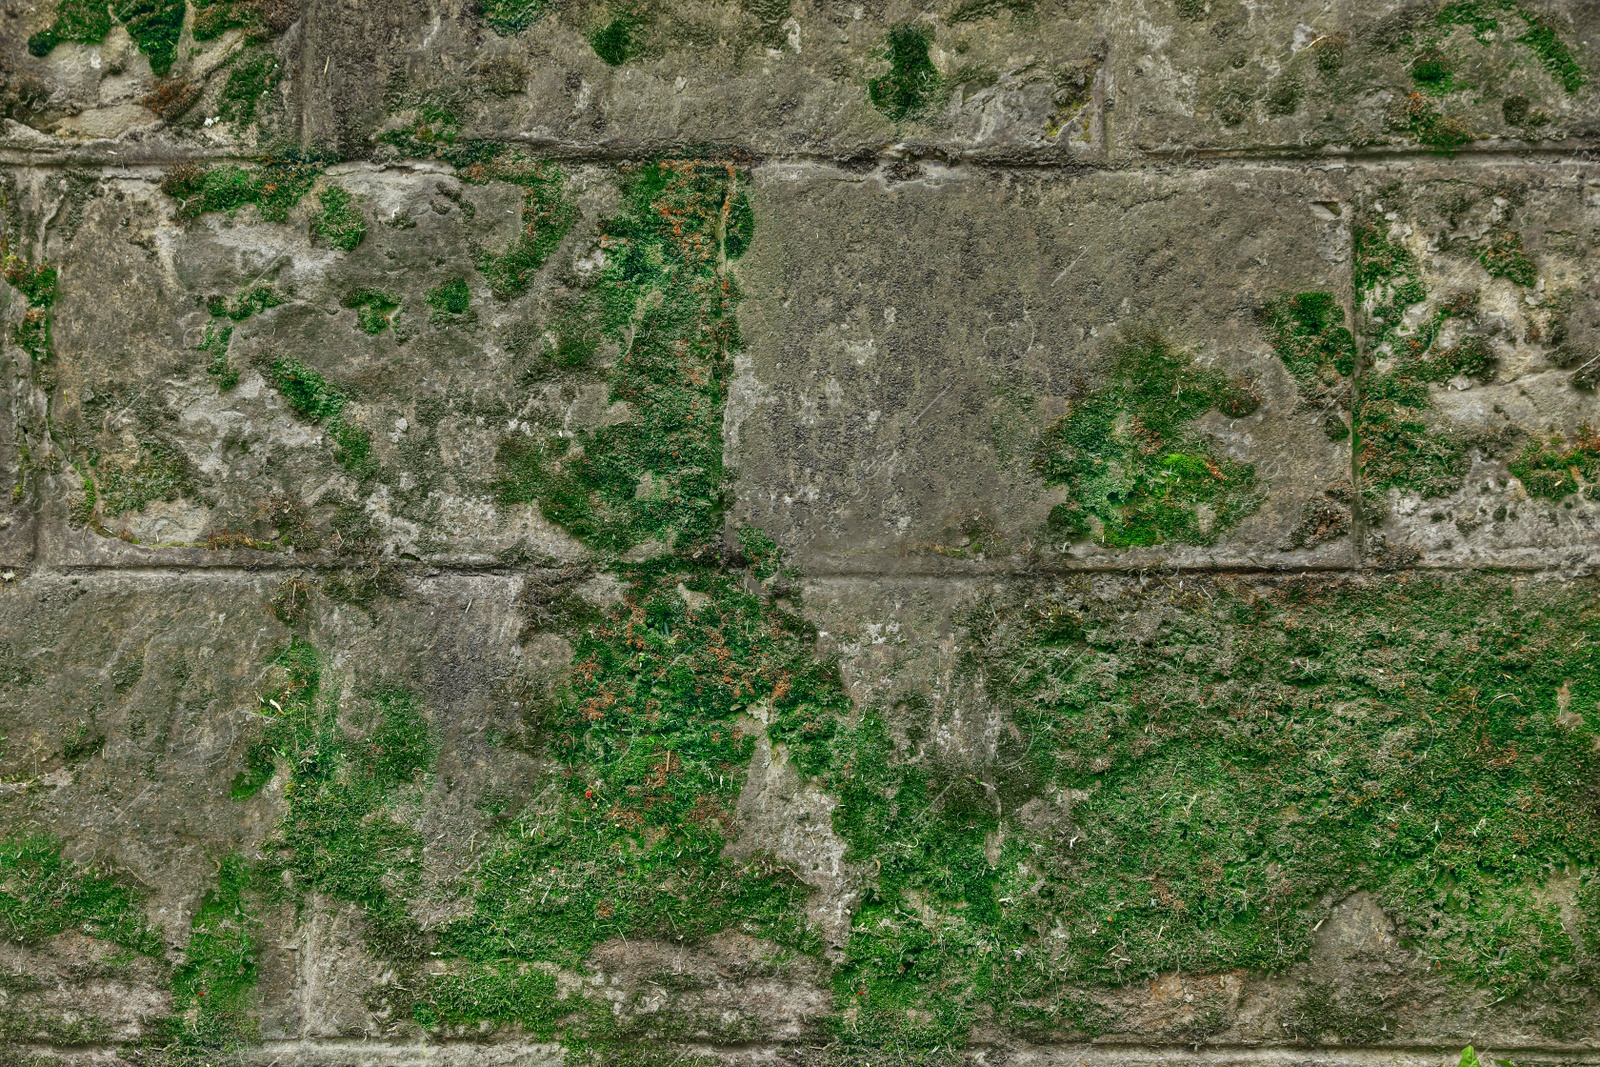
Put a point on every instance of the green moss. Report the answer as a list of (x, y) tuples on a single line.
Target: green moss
[(1309, 334), (159, 472), (340, 835), (36, 283), (214, 342), (1504, 258), (449, 300), (1284, 97), (507, 17), (1394, 737), (339, 223), (1559, 467), (617, 42), (912, 81), (42, 895), (1322, 1014), (503, 991), (311, 395), (275, 188), (1398, 449), (648, 743), (1431, 70), (1396, 446), (213, 988), (242, 305), (376, 310), (548, 212), (258, 770), (154, 25), (1387, 278), (1491, 19), (213, 18), (32, 335), (1554, 53), (1136, 474), (249, 83), (665, 297), (308, 392), (87, 21), (1424, 121)]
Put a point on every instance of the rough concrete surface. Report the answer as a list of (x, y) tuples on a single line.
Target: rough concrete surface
[(1022, 533)]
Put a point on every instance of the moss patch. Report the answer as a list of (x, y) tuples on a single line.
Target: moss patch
[(648, 739), (42, 894), (212, 990), (1135, 471), (318, 400), (1309, 334), (1559, 467), (912, 82), (1398, 737), (154, 26), (247, 302), (1504, 258), (248, 87), (376, 310), (156, 472), (341, 836), (665, 297), (338, 222), (275, 188), (448, 301), (547, 214), (87, 21), (506, 17), (618, 40)]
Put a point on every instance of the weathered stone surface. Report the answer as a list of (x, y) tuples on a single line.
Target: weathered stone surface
[(766, 532), (911, 341)]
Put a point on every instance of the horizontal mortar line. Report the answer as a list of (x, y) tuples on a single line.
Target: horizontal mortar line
[(1579, 151), (467, 570), (1088, 1054), (851, 158)]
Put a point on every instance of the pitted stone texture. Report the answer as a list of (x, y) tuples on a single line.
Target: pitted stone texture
[(1048, 80), (167, 671), (907, 343), (236, 472), (1543, 329), (1209, 76)]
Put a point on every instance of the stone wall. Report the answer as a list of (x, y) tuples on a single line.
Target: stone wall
[(1018, 531)]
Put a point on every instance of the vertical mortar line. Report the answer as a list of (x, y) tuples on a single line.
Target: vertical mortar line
[(1358, 523)]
